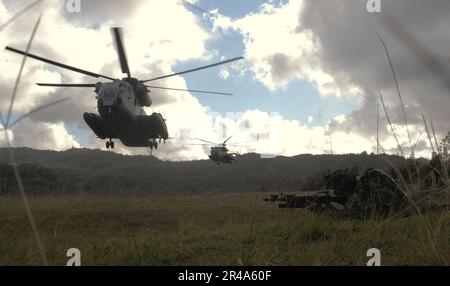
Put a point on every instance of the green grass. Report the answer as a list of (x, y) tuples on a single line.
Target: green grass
[(236, 229)]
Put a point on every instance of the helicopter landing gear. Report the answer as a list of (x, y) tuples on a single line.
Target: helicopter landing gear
[(110, 144), (153, 144)]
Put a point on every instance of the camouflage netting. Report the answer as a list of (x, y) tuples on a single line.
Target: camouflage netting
[(377, 196), (416, 185), (342, 181)]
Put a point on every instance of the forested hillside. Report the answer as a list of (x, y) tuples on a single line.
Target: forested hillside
[(95, 171)]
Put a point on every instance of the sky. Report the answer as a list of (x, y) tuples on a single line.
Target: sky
[(309, 83)]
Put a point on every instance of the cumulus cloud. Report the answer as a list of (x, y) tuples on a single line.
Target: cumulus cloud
[(278, 52), (333, 44), (84, 40), (272, 134), (329, 43), (354, 56), (41, 135)]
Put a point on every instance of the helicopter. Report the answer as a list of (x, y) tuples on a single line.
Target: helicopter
[(121, 102), (219, 152)]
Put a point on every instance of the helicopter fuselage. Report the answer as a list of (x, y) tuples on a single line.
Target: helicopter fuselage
[(121, 115), (221, 155), (121, 103)]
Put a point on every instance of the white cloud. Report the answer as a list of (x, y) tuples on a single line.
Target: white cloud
[(41, 135), (263, 34), (157, 35), (153, 35), (278, 53), (224, 73)]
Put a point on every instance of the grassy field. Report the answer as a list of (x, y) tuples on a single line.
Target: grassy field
[(236, 229)]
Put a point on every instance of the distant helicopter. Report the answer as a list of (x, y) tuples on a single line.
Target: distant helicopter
[(121, 103), (219, 152)]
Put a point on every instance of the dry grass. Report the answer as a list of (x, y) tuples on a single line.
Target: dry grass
[(430, 230), (236, 229)]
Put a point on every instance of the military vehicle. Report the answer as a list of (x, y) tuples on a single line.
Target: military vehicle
[(219, 152), (121, 102)]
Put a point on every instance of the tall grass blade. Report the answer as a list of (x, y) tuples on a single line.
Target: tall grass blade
[(397, 86)]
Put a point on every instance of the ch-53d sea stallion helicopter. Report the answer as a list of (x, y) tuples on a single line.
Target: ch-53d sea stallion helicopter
[(121, 103), (219, 152)]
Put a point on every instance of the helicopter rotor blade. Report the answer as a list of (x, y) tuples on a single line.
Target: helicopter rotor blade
[(67, 84), (224, 142), (78, 70), (189, 90), (196, 69), (117, 32), (209, 142)]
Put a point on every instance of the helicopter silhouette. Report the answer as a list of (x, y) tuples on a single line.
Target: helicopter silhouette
[(219, 152), (120, 103)]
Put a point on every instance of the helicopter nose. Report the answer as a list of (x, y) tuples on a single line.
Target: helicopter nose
[(110, 99), (107, 98)]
